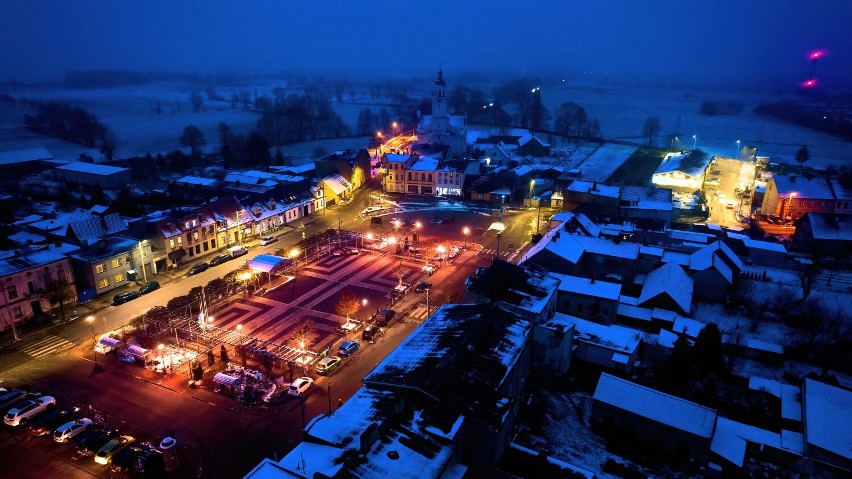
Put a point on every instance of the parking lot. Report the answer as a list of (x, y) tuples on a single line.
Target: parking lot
[(728, 186)]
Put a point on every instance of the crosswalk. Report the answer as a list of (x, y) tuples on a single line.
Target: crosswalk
[(510, 255), (418, 314), (46, 346)]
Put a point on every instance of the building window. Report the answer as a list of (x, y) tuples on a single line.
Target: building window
[(191, 252), (186, 225), (189, 237), (198, 249), (100, 268), (194, 236), (12, 291), (103, 283), (115, 263), (422, 176), (17, 311), (480, 196), (180, 240), (31, 287), (171, 243), (426, 190), (213, 243), (430, 176), (206, 246), (118, 278)]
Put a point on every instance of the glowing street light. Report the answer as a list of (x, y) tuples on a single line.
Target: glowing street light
[(694, 141), (441, 250), (91, 321), (532, 185), (465, 231), (738, 149), (364, 305), (394, 124)]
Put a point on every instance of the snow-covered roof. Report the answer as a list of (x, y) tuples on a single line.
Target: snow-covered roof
[(655, 405), (717, 255), (197, 180), (828, 417), (59, 225), (516, 287), (413, 458), (676, 257), (92, 168), (425, 163), (642, 198), (817, 187), (308, 459), (522, 170), (634, 312), (668, 279), (571, 247), (764, 245), (25, 237), (529, 137), (614, 337), (268, 262), (29, 258), (595, 188), (349, 421), (832, 227), (296, 170), (667, 339), (337, 183), (441, 352), (23, 156), (95, 227), (731, 438), (693, 163), (562, 216), (588, 287), (652, 251), (687, 326)]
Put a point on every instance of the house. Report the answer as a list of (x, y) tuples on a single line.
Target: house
[(440, 127), (498, 154), (352, 165), (531, 145), (668, 425), (715, 270), (28, 276), (93, 174), (608, 346), (667, 287), (827, 414), (111, 263), (466, 364), (684, 171), (335, 188), (587, 298), (552, 348), (394, 165), (450, 175), (639, 203), (595, 197), (420, 176), (825, 234), (186, 236), (493, 189), (790, 197), (734, 442), (528, 293)]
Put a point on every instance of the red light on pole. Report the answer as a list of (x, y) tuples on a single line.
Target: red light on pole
[(816, 55), (809, 83)]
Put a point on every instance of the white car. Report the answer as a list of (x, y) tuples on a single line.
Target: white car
[(70, 429), (268, 240), (21, 413), (299, 386)]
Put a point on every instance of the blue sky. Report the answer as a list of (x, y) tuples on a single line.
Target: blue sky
[(744, 41)]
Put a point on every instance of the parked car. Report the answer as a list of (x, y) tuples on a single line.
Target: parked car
[(11, 397), (50, 420), (300, 386), (149, 461), (328, 364), (92, 440), (197, 268), (422, 286), (370, 333), (237, 251), (384, 317), (27, 410), (71, 429), (268, 240), (108, 450), (149, 286), (219, 259), (124, 297), (124, 460), (348, 348), (376, 220)]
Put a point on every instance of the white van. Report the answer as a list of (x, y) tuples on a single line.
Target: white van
[(237, 251)]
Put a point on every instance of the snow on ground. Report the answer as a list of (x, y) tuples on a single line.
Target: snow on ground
[(601, 164), (622, 111), (304, 152)]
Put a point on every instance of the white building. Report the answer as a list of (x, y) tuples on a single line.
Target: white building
[(440, 127)]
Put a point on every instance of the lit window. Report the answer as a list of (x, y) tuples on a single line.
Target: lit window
[(180, 241), (100, 268), (172, 243), (115, 263), (118, 278), (103, 283)]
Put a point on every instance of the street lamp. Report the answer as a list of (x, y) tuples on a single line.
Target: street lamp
[(694, 141), (441, 251), (394, 124), (91, 321), (364, 305), (465, 231), (738, 149), (532, 184)]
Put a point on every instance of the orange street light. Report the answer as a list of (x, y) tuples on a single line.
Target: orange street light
[(466, 232)]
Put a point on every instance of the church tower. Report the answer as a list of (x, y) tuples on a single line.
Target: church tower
[(440, 116)]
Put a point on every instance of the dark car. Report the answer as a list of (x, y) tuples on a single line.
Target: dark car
[(222, 258), (124, 460), (47, 422), (12, 397), (384, 317), (149, 286), (376, 220), (197, 268), (124, 297), (370, 333), (90, 444), (348, 348), (422, 286), (150, 460)]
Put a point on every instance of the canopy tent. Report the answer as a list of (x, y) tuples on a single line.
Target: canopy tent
[(269, 263)]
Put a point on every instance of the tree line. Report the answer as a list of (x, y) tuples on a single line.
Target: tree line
[(71, 124)]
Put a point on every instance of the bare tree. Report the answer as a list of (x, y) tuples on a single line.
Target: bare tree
[(60, 292), (192, 138), (108, 144), (347, 304), (652, 127)]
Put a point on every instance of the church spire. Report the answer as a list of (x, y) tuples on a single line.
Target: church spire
[(440, 81)]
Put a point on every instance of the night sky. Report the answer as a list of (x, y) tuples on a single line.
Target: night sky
[(739, 41)]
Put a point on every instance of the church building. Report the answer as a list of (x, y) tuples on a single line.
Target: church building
[(441, 128)]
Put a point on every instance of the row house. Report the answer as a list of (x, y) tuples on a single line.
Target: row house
[(395, 166), (27, 279), (791, 197)]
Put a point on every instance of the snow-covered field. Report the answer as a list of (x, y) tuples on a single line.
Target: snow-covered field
[(622, 111)]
